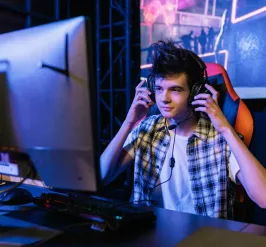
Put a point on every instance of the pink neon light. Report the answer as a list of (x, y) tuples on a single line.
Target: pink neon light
[(152, 11), (169, 13), (244, 17), (170, 7), (169, 18), (141, 4), (156, 8), (226, 54), (145, 66), (183, 4)]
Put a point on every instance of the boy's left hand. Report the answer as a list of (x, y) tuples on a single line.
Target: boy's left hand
[(209, 104)]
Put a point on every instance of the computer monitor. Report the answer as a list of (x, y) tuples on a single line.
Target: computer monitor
[(48, 104)]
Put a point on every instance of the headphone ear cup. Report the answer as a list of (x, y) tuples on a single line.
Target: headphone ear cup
[(193, 92), (150, 84)]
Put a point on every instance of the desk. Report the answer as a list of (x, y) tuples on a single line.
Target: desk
[(256, 229), (170, 228)]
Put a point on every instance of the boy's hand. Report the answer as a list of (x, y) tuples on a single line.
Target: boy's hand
[(140, 105), (209, 104)]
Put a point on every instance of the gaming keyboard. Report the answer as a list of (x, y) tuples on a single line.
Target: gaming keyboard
[(97, 209)]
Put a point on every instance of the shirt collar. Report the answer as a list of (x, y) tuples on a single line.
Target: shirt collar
[(203, 128), (161, 125)]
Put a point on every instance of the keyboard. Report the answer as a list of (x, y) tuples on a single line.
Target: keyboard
[(113, 214)]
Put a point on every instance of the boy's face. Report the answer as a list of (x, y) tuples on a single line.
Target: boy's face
[(171, 95)]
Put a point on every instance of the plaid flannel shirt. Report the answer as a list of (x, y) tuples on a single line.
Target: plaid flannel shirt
[(208, 159)]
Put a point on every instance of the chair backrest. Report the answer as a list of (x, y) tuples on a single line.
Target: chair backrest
[(243, 125), (243, 120)]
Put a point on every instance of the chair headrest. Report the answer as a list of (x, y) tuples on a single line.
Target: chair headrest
[(228, 106)]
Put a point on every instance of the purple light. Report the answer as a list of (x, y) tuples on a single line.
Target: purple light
[(184, 4), (146, 66)]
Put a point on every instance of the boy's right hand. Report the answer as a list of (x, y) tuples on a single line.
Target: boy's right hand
[(140, 105)]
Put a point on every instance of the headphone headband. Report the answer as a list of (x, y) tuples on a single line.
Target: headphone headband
[(202, 65), (197, 86)]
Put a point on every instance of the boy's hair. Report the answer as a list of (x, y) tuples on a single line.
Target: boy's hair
[(169, 60)]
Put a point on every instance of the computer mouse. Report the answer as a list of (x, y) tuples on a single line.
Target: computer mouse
[(17, 196)]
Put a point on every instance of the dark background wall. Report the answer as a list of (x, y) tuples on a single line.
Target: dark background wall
[(14, 13), (20, 14), (258, 148)]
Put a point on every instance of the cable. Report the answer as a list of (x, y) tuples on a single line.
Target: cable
[(165, 180), (18, 183), (173, 126), (172, 163), (172, 159)]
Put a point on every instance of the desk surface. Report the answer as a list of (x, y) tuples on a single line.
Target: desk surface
[(170, 228)]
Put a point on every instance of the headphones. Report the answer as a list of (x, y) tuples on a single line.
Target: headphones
[(197, 88)]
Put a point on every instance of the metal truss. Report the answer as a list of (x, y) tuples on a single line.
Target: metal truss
[(114, 63), (29, 14), (117, 54)]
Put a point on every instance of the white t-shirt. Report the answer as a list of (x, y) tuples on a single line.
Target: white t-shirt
[(176, 194)]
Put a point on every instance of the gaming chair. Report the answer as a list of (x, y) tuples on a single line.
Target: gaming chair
[(243, 124), (241, 119)]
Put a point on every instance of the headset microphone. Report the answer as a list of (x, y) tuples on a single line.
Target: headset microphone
[(173, 126)]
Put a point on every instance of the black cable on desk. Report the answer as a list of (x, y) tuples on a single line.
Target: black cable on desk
[(18, 183)]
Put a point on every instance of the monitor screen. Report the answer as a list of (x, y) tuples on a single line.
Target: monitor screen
[(47, 108)]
